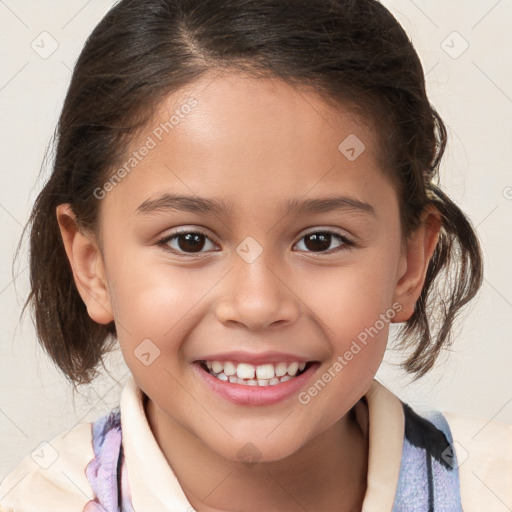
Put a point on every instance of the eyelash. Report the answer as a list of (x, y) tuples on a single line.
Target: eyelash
[(346, 242)]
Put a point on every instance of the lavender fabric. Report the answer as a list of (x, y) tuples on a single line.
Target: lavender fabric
[(107, 471)]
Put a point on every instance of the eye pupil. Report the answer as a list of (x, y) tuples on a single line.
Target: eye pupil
[(321, 241), (195, 242)]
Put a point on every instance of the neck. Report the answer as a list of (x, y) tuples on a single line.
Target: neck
[(328, 473)]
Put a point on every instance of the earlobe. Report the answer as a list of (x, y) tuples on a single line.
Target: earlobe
[(87, 265), (414, 263)]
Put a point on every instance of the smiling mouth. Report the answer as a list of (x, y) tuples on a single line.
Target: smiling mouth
[(268, 374)]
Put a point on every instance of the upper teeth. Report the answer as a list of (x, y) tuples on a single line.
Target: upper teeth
[(262, 372)]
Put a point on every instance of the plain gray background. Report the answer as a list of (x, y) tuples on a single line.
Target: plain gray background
[(465, 50)]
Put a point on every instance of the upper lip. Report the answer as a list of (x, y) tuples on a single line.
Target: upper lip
[(255, 358)]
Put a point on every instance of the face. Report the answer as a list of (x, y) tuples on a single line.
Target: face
[(259, 283)]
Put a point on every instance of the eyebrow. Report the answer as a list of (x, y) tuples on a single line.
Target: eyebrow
[(176, 202)]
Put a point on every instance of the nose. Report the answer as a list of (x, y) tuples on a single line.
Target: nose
[(257, 296)]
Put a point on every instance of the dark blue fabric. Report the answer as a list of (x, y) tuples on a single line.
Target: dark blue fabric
[(429, 475)]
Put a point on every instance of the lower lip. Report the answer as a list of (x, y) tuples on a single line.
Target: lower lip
[(242, 394)]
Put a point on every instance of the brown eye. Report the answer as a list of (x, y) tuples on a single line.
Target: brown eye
[(186, 242), (317, 241), (191, 242), (320, 241)]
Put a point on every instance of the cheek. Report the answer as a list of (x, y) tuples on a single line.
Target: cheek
[(154, 305), (350, 299), (162, 303), (152, 297), (353, 306)]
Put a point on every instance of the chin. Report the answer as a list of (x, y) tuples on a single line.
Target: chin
[(255, 447)]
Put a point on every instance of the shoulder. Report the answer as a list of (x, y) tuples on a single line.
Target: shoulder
[(52, 478), (484, 455)]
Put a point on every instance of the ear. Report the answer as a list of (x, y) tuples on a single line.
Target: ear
[(414, 263), (87, 265)]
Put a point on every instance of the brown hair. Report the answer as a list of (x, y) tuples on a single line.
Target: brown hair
[(352, 52)]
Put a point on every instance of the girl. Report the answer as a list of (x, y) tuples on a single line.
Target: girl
[(244, 197)]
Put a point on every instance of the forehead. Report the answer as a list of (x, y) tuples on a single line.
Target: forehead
[(249, 140), (240, 111)]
